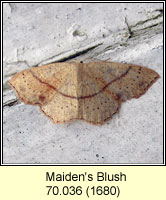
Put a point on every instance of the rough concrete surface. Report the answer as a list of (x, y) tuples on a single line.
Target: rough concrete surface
[(39, 33)]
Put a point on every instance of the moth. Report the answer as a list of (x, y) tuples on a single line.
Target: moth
[(85, 91)]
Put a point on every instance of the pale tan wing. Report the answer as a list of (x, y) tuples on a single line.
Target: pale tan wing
[(61, 109), (133, 83), (29, 89), (39, 84), (87, 80), (115, 83), (93, 77), (131, 80), (99, 108), (60, 76)]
